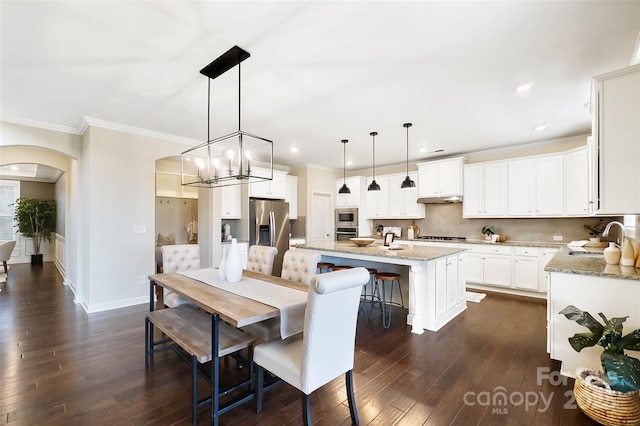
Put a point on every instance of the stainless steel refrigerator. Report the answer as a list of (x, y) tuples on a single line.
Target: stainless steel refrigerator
[(269, 226)]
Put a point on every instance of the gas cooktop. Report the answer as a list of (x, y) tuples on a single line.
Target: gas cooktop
[(438, 238)]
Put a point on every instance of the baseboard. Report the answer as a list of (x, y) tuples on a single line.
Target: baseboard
[(99, 307)]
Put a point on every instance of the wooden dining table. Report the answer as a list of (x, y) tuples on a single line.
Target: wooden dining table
[(239, 311)]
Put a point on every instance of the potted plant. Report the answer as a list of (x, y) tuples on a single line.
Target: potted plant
[(36, 219), (488, 231), (379, 229), (595, 231), (619, 384)]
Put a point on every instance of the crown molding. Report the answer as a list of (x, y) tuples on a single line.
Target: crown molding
[(95, 122), (41, 125)]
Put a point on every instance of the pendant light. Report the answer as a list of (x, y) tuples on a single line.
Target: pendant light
[(373, 186), (345, 189), (407, 183)]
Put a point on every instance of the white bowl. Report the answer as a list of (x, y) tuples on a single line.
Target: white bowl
[(362, 242)]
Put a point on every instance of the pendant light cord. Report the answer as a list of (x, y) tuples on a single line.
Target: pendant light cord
[(374, 156), (407, 150), (344, 162)]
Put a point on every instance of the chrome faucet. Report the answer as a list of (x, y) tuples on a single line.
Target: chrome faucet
[(606, 231)]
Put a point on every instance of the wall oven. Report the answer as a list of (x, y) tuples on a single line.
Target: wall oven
[(346, 218), (344, 233)]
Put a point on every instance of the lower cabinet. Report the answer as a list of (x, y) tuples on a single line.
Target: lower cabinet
[(525, 268), (489, 265), (450, 284)]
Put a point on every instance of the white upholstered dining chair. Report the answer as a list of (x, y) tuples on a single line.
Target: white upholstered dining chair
[(261, 258), (178, 257), (299, 265), (6, 248), (326, 348)]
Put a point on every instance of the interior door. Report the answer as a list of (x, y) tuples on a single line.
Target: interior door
[(321, 217)]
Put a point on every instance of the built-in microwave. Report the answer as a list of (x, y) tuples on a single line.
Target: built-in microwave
[(346, 218)]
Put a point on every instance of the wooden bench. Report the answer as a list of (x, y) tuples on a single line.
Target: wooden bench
[(191, 329)]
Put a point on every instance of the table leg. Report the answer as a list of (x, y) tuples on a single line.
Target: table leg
[(215, 368)]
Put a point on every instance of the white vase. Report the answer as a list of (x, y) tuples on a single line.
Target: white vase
[(221, 268), (233, 267), (628, 255), (612, 254)]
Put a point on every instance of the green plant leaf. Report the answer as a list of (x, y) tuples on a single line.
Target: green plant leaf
[(623, 372), (612, 333), (631, 341), (580, 341)]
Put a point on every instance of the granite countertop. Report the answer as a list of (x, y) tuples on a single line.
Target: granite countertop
[(541, 244), (421, 253), (589, 265)]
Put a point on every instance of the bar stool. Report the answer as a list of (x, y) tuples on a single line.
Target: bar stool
[(325, 267), (372, 297), (341, 267), (381, 279)]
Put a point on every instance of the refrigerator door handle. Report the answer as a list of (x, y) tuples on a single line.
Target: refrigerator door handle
[(272, 229), (257, 238)]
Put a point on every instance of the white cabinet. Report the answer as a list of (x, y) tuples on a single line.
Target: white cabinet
[(440, 178), (576, 182), (275, 188), (403, 202), (292, 196), (485, 190), (450, 285), (489, 265), (378, 201), (536, 186), (546, 254), (526, 268), (231, 202), (170, 185), (615, 105), (356, 187)]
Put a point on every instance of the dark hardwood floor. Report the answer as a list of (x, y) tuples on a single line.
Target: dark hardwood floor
[(59, 365)]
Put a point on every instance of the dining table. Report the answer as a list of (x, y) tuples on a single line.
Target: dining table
[(237, 304)]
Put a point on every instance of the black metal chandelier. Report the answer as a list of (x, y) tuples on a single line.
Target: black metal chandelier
[(226, 160)]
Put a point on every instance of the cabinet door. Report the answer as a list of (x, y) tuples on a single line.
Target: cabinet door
[(378, 201), (452, 282), (397, 196), (353, 198), (231, 196), (550, 186), (495, 189), (526, 272), (441, 287), (543, 276), (576, 183), (278, 186), (473, 193), (292, 196), (428, 180), (521, 187), (449, 175), (474, 267), (462, 285), (409, 207), (497, 269), (260, 189)]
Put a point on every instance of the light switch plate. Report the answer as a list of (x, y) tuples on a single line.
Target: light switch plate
[(557, 238), (139, 229)]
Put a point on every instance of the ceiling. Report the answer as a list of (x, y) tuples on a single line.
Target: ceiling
[(319, 71), (30, 172)]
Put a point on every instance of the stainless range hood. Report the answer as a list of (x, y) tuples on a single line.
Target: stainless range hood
[(441, 200)]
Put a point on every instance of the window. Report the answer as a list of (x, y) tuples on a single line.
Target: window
[(9, 193), (630, 226)]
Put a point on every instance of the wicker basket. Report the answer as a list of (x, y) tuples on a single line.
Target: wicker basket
[(609, 407)]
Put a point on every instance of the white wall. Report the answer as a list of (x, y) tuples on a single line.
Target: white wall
[(60, 190)]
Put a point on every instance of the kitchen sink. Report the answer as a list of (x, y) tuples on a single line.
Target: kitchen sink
[(585, 254)]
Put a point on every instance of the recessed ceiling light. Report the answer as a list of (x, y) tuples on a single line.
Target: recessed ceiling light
[(294, 149), (541, 127), (349, 162), (525, 87), (423, 149)]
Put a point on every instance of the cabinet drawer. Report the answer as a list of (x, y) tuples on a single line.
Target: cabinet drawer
[(526, 251), (486, 249)]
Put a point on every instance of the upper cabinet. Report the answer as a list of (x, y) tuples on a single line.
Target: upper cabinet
[(536, 186), (276, 188), (485, 190), (231, 202), (356, 187), (440, 178), (170, 185), (615, 103), (292, 196), (576, 178), (403, 202), (378, 201)]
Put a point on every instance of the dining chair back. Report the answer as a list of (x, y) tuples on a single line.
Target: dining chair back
[(6, 248), (326, 348), (299, 265), (178, 257), (261, 259)]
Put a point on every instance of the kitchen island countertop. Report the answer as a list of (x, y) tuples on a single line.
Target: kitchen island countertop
[(409, 252)]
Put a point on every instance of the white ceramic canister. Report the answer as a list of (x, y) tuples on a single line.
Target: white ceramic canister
[(233, 267), (612, 254)]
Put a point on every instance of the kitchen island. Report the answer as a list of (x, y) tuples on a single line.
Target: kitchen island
[(435, 276), (587, 282)]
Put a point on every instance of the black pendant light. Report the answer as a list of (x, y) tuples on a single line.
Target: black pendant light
[(345, 189), (373, 186), (407, 183)]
